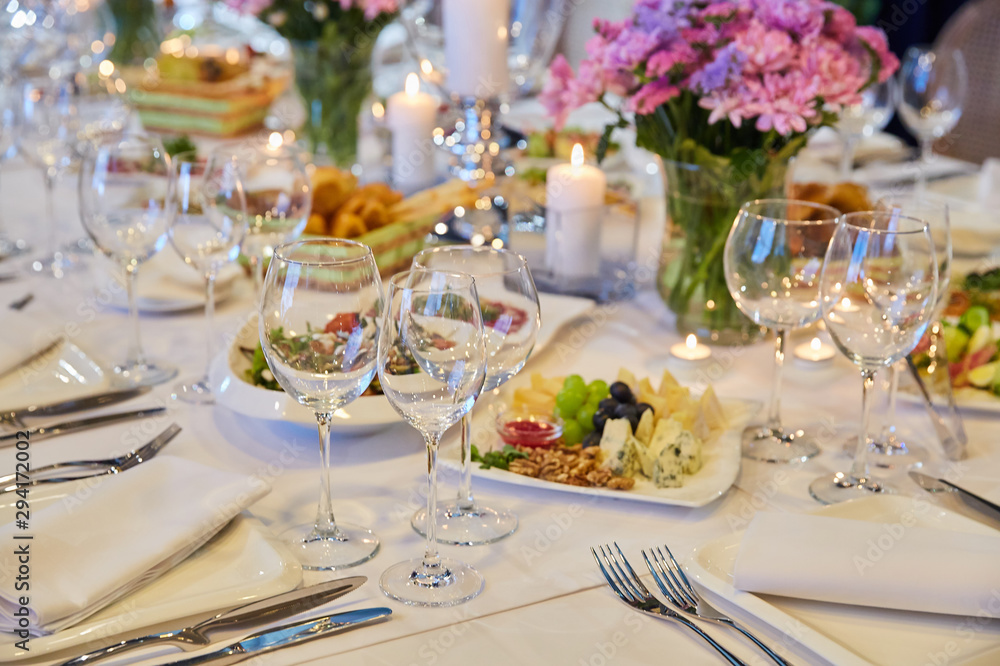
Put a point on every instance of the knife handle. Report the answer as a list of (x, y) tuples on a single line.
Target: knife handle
[(969, 495)]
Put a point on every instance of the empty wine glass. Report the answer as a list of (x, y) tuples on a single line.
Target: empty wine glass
[(318, 330), (932, 90), (773, 259), (46, 137), (434, 319), (889, 449), (124, 188), (878, 291), (102, 109), (207, 225), (9, 245), (511, 316), (864, 119), (278, 195)]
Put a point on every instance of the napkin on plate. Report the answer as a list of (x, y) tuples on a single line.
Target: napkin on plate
[(114, 535), (21, 336), (886, 565)]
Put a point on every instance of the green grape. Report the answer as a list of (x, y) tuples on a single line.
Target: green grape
[(586, 417), (598, 387), (572, 433), (570, 402), (575, 382)]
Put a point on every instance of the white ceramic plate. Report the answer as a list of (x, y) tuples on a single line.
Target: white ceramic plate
[(846, 634), (241, 563), (721, 465)]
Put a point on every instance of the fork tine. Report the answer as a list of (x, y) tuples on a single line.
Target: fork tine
[(627, 598), (662, 579), (620, 575), (635, 578), (677, 575)]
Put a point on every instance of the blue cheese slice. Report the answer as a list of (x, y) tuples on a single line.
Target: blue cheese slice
[(673, 452), (619, 448)]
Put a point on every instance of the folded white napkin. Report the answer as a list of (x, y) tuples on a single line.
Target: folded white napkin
[(886, 565), (111, 537), (22, 335)]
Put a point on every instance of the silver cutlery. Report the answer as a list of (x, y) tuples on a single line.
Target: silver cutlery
[(22, 302), (953, 441), (238, 619), (679, 591), (73, 405), (43, 432), (288, 635), (932, 485), (631, 590), (32, 357), (81, 469)]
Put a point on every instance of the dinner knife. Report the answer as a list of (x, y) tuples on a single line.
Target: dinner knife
[(42, 432), (32, 357), (74, 404), (932, 485), (237, 619), (288, 635)]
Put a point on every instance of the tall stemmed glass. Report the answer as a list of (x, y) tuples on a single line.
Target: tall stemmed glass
[(207, 224), (878, 291), (512, 318), (858, 121), (46, 137), (435, 319), (889, 449), (9, 246), (318, 329), (124, 188), (278, 195), (773, 258), (932, 90)]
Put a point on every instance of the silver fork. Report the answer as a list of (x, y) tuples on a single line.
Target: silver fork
[(630, 589), (679, 591)]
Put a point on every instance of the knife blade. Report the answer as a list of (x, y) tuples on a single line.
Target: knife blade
[(238, 619), (933, 485), (288, 635), (74, 404), (42, 432), (32, 357)]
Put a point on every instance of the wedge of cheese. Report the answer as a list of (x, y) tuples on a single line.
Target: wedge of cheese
[(619, 449)]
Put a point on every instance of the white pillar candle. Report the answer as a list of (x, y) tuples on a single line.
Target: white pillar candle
[(411, 116), (691, 351), (475, 47), (574, 205)]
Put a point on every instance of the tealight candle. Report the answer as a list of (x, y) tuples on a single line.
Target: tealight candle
[(574, 203), (475, 47), (411, 116), (814, 353), (691, 351)]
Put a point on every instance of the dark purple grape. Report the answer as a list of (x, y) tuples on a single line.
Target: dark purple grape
[(626, 411), (634, 420), (608, 404), (621, 392), (592, 439), (600, 418), (642, 408)]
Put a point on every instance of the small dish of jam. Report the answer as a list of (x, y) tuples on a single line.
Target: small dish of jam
[(526, 428)]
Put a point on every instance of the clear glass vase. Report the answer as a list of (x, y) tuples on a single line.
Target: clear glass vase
[(702, 203)]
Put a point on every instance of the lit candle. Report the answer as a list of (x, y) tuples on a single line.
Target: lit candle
[(475, 47), (691, 351), (574, 203), (814, 353), (411, 116)]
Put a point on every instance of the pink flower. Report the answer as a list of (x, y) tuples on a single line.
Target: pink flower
[(766, 50), (661, 62), (564, 92), (652, 95), (876, 40)]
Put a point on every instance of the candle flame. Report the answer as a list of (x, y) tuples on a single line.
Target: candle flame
[(275, 140), (815, 344), (378, 110), (412, 86), (426, 67), (690, 342), (576, 157)]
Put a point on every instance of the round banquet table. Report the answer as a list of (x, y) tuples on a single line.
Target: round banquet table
[(545, 600)]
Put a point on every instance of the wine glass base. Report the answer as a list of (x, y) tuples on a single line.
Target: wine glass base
[(142, 374), (449, 583), (890, 452), (475, 526), (195, 393), (350, 546), (841, 487), (777, 445), (56, 265), (12, 248)]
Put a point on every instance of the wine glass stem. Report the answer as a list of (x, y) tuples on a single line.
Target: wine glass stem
[(465, 500), (774, 408), (136, 357), (859, 468), (889, 429), (847, 156), (50, 212), (209, 321), (326, 524), (926, 157), (431, 556), (257, 266)]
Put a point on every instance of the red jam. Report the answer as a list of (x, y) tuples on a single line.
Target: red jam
[(529, 433)]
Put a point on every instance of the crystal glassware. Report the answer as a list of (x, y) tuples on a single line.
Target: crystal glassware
[(278, 196), (318, 327), (772, 259), (878, 291), (932, 91), (46, 137), (511, 317), (9, 245), (207, 225), (124, 190), (433, 320), (862, 120)]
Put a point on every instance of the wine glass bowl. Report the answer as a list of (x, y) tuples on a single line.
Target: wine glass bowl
[(773, 259), (857, 121), (878, 293), (318, 327), (433, 318)]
